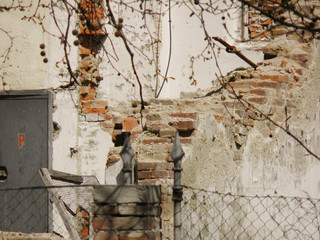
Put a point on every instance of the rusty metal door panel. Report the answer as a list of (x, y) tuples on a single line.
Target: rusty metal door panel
[(23, 151)]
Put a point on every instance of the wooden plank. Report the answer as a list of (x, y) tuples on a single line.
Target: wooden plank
[(65, 177), (127, 194), (66, 217)]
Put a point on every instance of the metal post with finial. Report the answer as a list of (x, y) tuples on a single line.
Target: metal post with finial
[(176, 153), (127, 155)]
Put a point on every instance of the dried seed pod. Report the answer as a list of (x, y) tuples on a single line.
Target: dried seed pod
[(75, 32), (42, 46), (45, 60), (42, 53), (76, 42), (117, 33), (120, 25)]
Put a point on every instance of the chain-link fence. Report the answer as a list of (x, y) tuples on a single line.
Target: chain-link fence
[(212, 215), (205, 214), (36, 210)]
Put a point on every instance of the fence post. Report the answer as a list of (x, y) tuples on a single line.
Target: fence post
[(127, 156), (176, 153)]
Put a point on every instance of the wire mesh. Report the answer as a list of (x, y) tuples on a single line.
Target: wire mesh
[(212, 215), (31, 210)]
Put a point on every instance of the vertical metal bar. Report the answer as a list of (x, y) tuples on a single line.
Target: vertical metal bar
[(127, 156), (176, 153), (135, 172)]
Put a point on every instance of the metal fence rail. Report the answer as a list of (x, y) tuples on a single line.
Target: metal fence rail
[(212, 215)]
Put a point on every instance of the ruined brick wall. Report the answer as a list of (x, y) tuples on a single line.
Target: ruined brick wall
[(273, 88), (127, 212), (262, 28), (90, 39)]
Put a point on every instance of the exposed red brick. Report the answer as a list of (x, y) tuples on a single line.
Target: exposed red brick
[(100, 104), (259, 92), (84, 223), (255, 28), (185, 115), (279, 31), (155, 140), (91, 32), (254, 35), (283, 63), (299, 71), (268, 84), (92, 17), (258, 100), (113, 159), (86, 104), (183, 125), (275, 77), (243, 84), (106, 235), (188, 102), (87, 97), (93, 110), (128, 124), (186, 140), (84, 51), (267, 22), (155, 174)]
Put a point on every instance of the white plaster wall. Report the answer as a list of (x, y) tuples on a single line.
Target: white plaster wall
[(94, 145), (65, 114), (24, 68), (187, 41)]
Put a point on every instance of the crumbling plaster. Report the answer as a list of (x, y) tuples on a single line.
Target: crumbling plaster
[(212, 161), (271, 161)]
